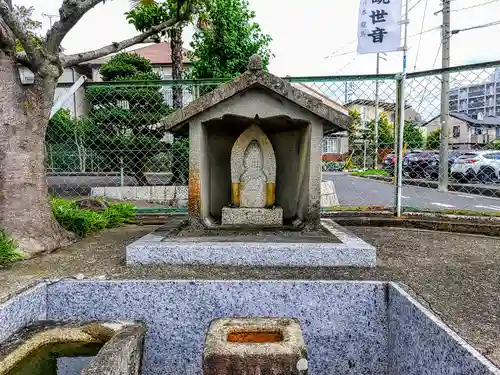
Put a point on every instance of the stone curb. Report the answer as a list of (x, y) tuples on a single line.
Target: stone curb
[(441, 223)]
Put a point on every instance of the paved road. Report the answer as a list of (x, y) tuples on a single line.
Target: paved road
[(358, 191), (351, 191)]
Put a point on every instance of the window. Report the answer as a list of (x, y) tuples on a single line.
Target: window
[(497, 132), (476, 130), (331, 145), (456, 131), (480, 116), (493, 156)]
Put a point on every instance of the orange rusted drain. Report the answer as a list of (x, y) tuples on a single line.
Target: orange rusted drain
[(255, 336)]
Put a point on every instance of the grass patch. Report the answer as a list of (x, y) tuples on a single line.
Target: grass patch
[(8, 249), (82, 222), (370, 172)]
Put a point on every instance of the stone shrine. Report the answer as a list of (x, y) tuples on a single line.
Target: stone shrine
[(255, 152)]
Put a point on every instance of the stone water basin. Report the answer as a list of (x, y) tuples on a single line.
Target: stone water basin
[(349, 327), (72, 348)]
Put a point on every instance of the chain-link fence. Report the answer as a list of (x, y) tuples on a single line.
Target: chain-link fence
[(109, 140)]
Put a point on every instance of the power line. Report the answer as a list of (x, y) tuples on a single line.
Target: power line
[(414, 5), (421, 32), (494, 23), (411, 36), (475, 6), (345, 45)]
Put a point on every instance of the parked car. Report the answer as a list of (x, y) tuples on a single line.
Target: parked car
[(415, 165), (483, 165), (432, 169), (388, 164)]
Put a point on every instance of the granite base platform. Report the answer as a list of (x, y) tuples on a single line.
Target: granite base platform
[(337, 247), (349, 327)]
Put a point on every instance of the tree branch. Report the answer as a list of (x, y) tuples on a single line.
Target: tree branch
[(33, 55), (70, 13), (118, 46)]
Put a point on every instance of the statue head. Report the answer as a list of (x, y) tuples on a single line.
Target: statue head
[(253, 158)]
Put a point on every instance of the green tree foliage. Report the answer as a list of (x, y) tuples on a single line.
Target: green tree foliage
[(24, 15), (353, 130), (66, 139), (413, 135), (433, 139), (125, 118), (222, 49), (494, 145)]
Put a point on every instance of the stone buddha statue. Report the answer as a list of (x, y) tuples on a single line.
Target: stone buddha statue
[(253, 180), (253, 170)]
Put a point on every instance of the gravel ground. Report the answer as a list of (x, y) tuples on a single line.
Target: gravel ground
[(455, 275)]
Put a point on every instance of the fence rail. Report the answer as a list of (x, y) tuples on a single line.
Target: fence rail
[(109, 135)]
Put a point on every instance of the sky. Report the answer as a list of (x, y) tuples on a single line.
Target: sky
[(315, 37)]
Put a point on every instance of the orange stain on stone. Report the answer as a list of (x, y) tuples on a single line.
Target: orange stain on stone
[(255, 336), (194, 193)]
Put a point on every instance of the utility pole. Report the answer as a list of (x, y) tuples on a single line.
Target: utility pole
[(375, 140), (445, 100)]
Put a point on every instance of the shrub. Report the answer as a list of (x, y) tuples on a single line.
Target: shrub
[(83, 222), (332, 166), (8, 249)]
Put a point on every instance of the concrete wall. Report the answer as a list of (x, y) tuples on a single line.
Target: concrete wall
[(350, 327), (25, 309), (289, 150), (420, 343), (346, 333)]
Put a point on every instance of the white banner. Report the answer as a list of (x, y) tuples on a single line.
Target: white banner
[(379, 26)]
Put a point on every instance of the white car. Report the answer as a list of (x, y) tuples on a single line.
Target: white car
[(483, 165)]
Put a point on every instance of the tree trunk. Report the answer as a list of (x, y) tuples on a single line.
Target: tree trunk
[(176, 47), (25, 212)]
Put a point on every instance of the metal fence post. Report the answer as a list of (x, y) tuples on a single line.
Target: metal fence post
[(122, 175), (397, 176)]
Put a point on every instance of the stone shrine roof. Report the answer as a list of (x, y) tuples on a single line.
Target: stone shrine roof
[(254, 77)]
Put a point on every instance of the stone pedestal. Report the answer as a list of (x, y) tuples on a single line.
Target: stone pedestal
[(263, 217), (255, 346)]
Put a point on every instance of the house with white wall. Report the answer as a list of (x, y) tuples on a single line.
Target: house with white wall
[(467, 132), (160, 55), (366, 109), (336, 144)]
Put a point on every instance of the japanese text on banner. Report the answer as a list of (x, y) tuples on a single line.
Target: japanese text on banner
[(379, 26)]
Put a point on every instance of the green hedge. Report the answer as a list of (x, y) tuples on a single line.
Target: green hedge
[(83, 222)]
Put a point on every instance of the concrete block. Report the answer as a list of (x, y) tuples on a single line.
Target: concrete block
[(98, 192), (158, 193), (252, 216), (255, 345), (128, 192), (143, 193), (181, 192), (113, 192)]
